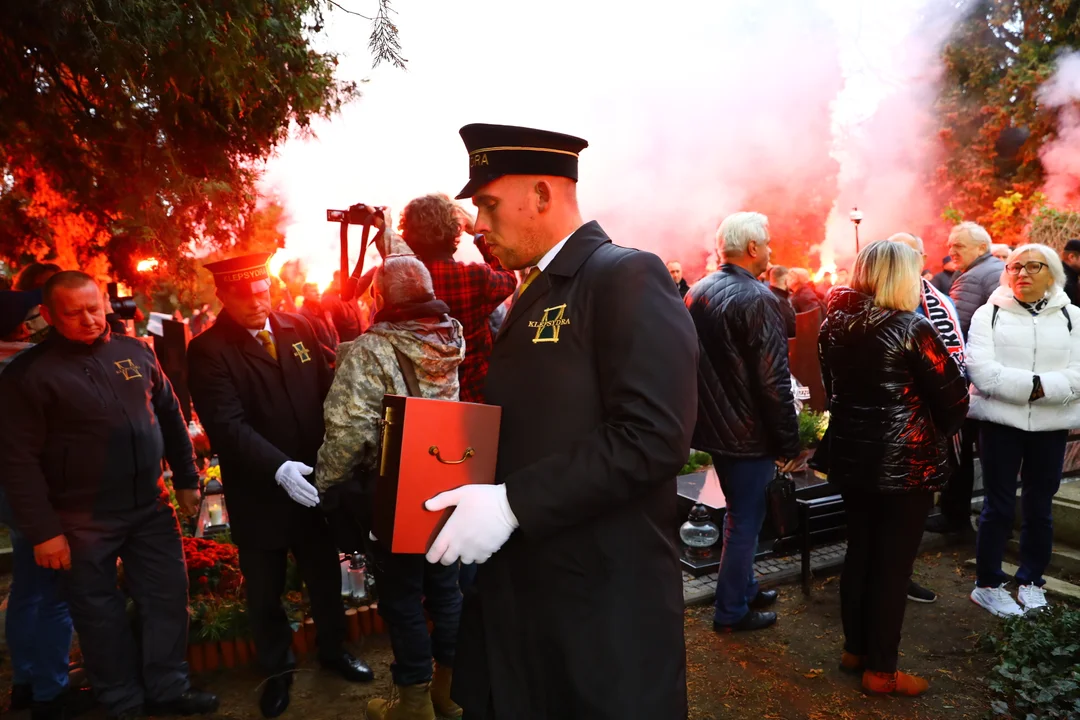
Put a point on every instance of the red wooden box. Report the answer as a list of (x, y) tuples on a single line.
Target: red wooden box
[(428, 447)]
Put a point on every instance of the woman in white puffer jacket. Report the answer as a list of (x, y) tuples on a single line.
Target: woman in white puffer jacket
[(1023, 359)]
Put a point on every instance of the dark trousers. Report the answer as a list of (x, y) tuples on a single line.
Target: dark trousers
[(1038, 458), (467, 577), (743, 483), (147, 540), (407, 584), (955, 499), (883, 538), (264, 581), (38, 624)]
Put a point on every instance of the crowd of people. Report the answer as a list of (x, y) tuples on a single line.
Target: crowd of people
[(608, 367), (916, 380)]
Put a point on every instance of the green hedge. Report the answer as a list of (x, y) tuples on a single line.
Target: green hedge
[(1038, 669)]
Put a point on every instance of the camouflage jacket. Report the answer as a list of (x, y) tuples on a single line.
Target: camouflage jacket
[(368, 369)]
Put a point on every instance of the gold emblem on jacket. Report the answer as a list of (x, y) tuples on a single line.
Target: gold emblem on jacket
[(547, 328), (301, 352), (128, 369)]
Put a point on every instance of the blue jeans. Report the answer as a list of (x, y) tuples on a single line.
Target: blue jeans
[(743, 483), (407, 584), (38, 624), (1037, 457)]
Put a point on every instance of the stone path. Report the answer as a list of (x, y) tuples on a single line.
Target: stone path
[(770, 571)]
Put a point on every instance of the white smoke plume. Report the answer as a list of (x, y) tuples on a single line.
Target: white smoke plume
[(692, 111), (887, 154), (1061, 156)]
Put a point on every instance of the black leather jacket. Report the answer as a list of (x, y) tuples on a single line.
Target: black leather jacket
[(745, 407), (896, 396)]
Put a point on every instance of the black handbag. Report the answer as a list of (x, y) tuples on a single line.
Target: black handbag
[(780, 500), (348, 505)]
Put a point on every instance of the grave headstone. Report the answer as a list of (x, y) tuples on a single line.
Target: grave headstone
[(171, 350), (804, 358)]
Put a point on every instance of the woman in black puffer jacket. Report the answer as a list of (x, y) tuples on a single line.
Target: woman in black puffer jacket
[(896, 396)]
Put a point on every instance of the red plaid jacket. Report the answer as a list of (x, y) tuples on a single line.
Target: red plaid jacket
[(473, 291)]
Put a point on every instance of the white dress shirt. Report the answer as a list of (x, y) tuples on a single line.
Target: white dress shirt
[(550, 254), (266, 327)]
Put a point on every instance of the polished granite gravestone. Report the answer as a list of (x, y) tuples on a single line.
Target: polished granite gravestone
[(704, 487)]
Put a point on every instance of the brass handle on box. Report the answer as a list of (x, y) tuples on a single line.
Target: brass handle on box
[(384, 441), (434, 450)]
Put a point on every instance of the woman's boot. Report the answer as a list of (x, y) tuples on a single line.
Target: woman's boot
[(897, 683), (407, 702)]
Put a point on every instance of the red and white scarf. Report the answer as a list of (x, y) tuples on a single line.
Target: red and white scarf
[(941, 313)]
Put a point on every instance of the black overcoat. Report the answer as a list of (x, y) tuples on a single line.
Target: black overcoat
[(259, 413), (580, 614)]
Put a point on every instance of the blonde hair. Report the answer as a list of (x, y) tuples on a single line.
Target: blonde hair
[(891, 273)]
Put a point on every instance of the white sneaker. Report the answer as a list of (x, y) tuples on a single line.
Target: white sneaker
[(997, 600), (1032, 597)]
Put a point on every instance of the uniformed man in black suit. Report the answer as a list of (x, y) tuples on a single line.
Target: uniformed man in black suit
[(578, 607), (258, 380)]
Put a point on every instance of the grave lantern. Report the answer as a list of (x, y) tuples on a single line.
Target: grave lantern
[(353, 578), (699, 533), (213, 516)]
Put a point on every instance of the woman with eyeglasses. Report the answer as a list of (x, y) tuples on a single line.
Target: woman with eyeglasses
[(1024, 363)]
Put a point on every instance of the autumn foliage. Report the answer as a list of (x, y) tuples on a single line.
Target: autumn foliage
[(992, 125), (131, 129)]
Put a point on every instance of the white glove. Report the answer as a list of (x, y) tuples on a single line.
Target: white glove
[(478, 527), (291, 477)]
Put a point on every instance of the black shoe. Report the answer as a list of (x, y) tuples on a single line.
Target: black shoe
[(941, 525), (79, 700), (751, 621), (50, 710), (350, 668), (275, 696), (135, 713), (764, 599), (22, 697), (917, 593), (193, 702), (69, 704), (945, 526)]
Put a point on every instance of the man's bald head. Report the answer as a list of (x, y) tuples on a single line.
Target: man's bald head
[(912, 241), (66, 280)]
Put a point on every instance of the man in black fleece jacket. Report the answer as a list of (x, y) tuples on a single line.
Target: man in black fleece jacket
[(85, 419)]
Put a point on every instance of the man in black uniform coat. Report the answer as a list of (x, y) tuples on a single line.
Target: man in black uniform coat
[(85, 419), (258, 379), (578, 609)]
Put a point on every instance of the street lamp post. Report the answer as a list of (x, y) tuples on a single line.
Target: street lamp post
[(856, 217)]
